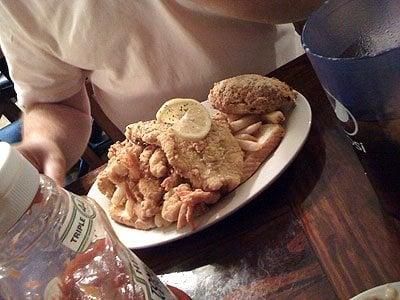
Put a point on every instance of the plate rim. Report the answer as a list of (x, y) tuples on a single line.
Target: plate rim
[(371, 291), (287, 163)]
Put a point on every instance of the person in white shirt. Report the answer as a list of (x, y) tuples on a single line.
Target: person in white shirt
[(137, 54)]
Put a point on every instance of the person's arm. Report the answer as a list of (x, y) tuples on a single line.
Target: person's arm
[(56, 121), (265, 11), (56, 134)]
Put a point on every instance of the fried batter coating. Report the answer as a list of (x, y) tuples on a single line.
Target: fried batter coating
[(251, 94)]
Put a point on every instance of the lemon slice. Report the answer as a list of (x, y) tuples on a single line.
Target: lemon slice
[(189, 119), (173, 110)]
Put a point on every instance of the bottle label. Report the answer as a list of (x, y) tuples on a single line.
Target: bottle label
[(150, 283), (80, 226)]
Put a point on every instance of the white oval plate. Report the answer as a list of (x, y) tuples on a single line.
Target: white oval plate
[(298, 126), (378, 292)]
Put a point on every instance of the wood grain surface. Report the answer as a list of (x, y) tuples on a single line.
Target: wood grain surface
[(318, 232), (357, 243)]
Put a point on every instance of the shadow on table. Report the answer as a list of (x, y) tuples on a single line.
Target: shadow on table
[(304, 173), (276, 262)]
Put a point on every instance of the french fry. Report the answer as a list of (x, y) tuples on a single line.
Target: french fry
[(268, 132), (243, 122), (249, 145), (245, 136), (275, 117), (269, 137), (250, 129)]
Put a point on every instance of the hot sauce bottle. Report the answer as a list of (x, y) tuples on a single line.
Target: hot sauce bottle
[(57, 245)]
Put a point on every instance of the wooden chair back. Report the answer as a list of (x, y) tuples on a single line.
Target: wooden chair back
[(7, 106)]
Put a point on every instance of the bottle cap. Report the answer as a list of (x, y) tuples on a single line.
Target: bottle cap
[(19, 183)]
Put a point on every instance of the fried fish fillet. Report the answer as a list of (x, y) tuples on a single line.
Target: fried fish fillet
[(146, 132), (211, 164)]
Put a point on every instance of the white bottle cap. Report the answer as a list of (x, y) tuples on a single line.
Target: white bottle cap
[(19, 183)]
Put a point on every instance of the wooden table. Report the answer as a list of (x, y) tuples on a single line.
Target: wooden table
[(317, 233)]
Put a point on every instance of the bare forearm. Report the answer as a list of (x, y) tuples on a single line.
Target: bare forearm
[(266, 11), (67, 126)]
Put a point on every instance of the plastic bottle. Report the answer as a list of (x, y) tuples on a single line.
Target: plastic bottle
[(57, 245)]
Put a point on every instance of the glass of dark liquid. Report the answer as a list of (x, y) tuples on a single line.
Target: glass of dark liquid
[(354, 47)]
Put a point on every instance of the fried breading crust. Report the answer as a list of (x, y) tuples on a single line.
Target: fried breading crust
[(212, 164), (251, 94)]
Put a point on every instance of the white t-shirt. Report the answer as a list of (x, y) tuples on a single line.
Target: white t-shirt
[(137, 54)]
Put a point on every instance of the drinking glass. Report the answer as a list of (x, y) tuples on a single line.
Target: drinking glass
[(354, 47)]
